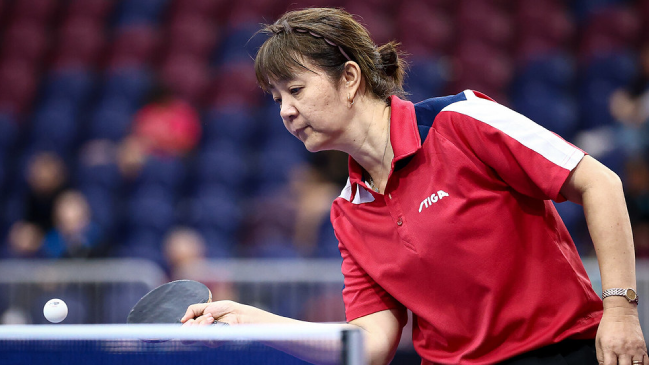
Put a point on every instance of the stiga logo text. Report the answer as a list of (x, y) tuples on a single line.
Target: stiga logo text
[(433, 198)]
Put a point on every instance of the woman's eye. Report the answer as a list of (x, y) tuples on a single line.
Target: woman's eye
[(295, 90), (278, 101)]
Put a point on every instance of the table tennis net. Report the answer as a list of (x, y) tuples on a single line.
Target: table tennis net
[(169, 344)]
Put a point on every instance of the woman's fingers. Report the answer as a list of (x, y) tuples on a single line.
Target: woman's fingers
[(194, 311)]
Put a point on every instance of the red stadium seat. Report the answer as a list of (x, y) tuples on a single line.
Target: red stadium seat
[(235, 84), (192, 34), (379, 22), (40, 11), (211, 9), (544, 19), (423, 30), (25, 39), (97, 10), (610, 29), (477, 65), (80, 43), (186, 76), (19, 81), (134, 45), (485, 21)]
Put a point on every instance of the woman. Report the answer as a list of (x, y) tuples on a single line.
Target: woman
[(447, 211)]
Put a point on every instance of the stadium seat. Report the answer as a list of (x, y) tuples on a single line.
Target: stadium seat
[(19, 84), (193, 35), (8, 131), (215, 207), (151, 208), (96, 10), (26, 40), (224, 162), (533, 101), (72, 84), (102, 205), (422, 29), (134, 45), (111, 119), (233, 123), (80, 43), (54, 126), (484, 21), (164, 171), (40, 11), (187, 76), (554, 69), (426, 78), (130, 84), (140, 11)]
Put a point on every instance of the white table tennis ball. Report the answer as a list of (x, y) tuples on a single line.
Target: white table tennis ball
[(55, 310)]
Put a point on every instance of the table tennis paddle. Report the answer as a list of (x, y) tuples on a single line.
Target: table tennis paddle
[(168, 302)]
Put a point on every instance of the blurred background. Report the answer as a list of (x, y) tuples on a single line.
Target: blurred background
[(133, 131)]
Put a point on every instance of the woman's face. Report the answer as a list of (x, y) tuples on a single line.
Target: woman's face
[(313, 109)]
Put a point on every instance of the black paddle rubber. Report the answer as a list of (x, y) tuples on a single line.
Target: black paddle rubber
[(168, 302)]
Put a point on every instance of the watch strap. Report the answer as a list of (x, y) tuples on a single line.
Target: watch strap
[(622, 292)]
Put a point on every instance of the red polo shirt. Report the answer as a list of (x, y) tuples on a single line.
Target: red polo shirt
[(466, 236)]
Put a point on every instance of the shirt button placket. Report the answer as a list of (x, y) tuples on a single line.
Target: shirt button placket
[(400, 222)]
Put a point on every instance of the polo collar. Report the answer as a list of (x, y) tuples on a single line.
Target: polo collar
[(405, 140)]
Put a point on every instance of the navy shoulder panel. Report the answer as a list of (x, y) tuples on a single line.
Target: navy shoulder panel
[(427, 110)]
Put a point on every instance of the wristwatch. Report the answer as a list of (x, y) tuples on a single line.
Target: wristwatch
[(628, 293)]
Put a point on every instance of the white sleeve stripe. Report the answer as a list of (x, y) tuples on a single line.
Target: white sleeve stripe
[(520, 128)]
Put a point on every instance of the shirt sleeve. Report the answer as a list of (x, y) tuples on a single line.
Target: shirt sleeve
[(528, 157), (361, 294)]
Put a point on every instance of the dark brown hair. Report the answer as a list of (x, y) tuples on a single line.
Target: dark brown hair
[(328, 38)]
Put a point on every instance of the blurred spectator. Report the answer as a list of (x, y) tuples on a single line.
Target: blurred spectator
[(166, 126), (46, 180), (75, 234), (184, 248), (630, 107)]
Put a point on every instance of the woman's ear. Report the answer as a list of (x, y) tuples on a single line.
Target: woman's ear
[(352, 78)]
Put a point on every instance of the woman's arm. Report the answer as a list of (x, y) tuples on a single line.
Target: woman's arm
[(381, 330), (599, 190)]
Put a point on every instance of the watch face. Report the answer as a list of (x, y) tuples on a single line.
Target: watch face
[(631, 294)]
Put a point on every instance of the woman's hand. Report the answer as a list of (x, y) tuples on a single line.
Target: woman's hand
[(225, 311), (619, 337)]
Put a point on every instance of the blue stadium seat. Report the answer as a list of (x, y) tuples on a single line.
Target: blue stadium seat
[(224, 162), (276, 158), (152, 208), (140, 11), (215, 207), (425, 79), (102, 206), (238, 43), (73, 84), (54, 126), (593, 101), (8, 131), (104, 176), (219, 244), (618, 68), (142, 243), (111, 119), (554, 109), (167, 172), (235, 124), (557, 70), (130, 83)]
